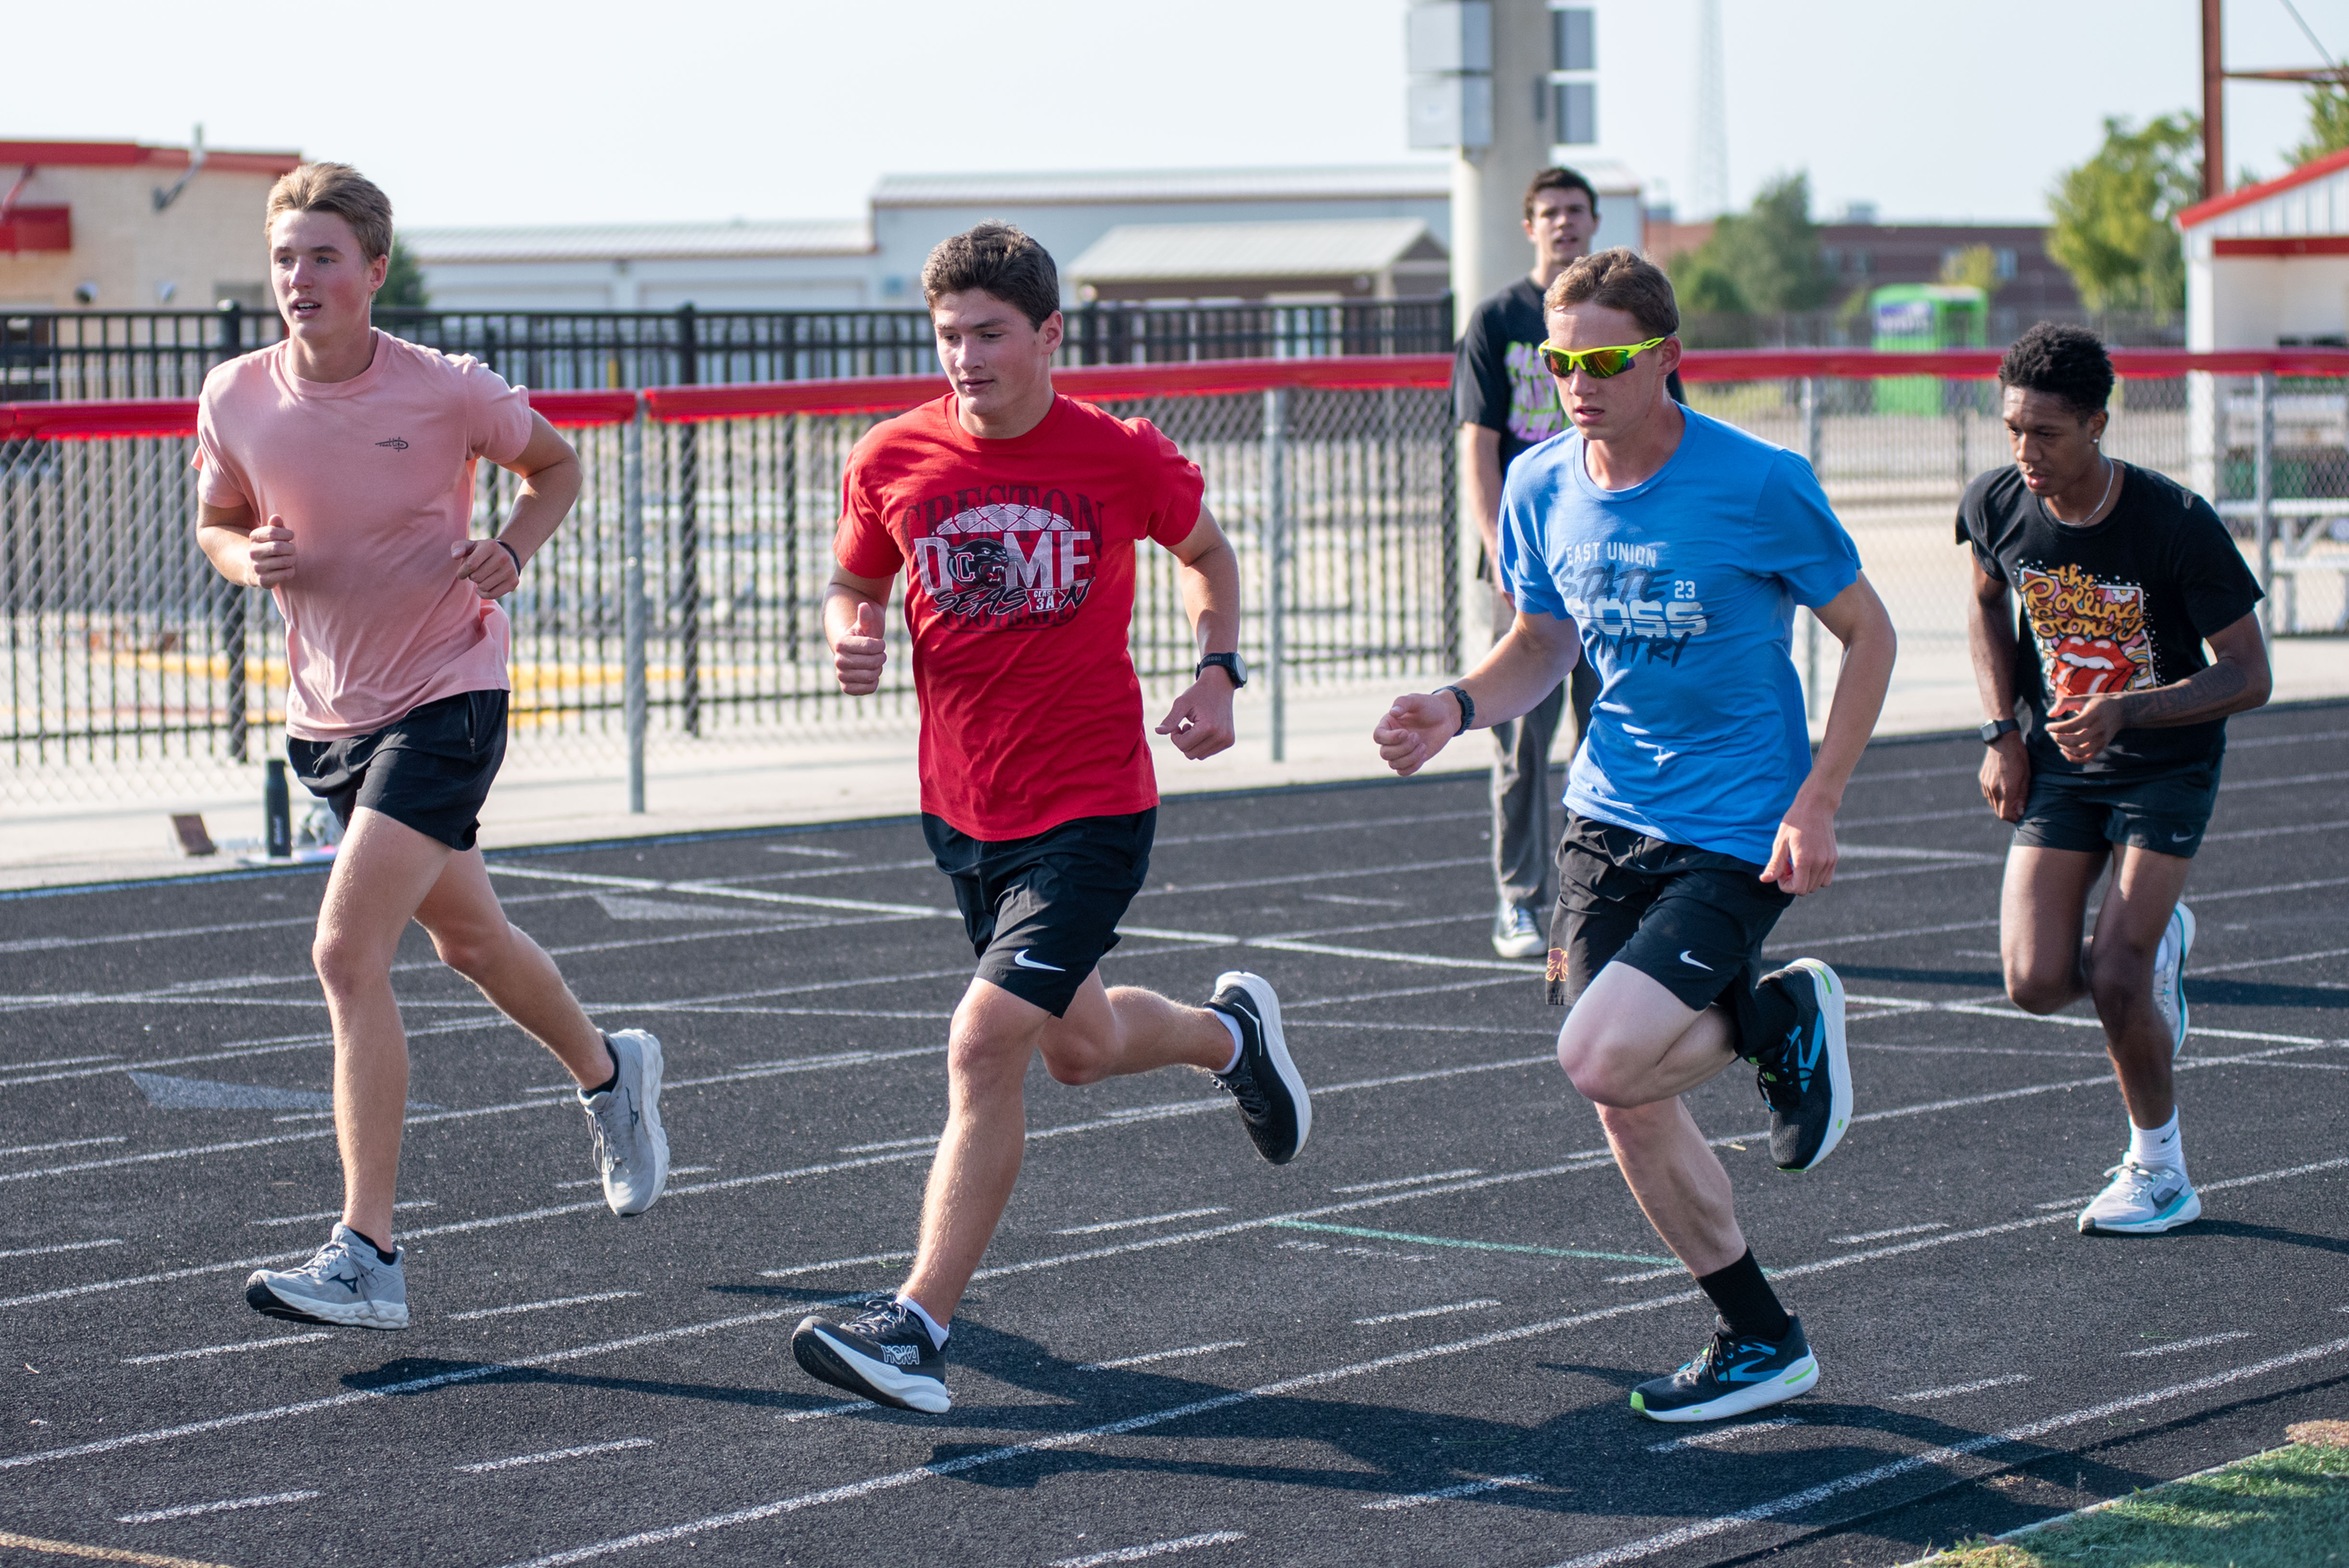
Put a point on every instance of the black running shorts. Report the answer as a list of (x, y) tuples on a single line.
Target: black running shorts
[(1042, 910), (1691, 920), (429, 770), (2165, 812)]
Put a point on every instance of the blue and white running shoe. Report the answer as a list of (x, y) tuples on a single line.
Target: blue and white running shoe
[(2169, 974), (2142, 1200), (1731, 1376), (1807, 1078)]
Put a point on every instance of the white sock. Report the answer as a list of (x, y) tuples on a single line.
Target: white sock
[(2158, 1146), (936, 1328), (1232, 1026)]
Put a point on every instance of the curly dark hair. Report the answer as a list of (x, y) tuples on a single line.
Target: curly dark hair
[(2064, 362)]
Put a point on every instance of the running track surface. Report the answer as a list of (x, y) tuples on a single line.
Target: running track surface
[(1413, 1345)]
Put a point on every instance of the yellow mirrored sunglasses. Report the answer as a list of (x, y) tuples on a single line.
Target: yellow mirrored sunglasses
[(1600, 362)]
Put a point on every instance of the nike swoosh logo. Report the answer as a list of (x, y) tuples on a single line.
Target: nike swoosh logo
[(1022, 959), (1687, 958), (2180, 838)]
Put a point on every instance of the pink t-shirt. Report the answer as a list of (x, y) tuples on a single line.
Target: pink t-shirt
[(374, 475)]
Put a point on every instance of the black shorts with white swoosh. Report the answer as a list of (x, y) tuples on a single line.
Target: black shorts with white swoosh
[(2165, 812), (1041, 911), (1690, 919)]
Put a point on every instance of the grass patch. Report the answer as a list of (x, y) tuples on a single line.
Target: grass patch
[(2286, 1508)]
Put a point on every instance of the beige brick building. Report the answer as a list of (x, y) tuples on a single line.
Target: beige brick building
[(124, 226)]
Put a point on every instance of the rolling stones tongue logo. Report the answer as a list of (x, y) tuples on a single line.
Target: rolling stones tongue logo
[(2091, 635)]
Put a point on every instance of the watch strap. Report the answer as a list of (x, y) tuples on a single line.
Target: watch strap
[(1467, 708)]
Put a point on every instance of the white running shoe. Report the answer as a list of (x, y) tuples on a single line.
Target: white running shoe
[(631, 1150), (1518, 933), (347, 1285), (2169, 974), (2143, 1200)]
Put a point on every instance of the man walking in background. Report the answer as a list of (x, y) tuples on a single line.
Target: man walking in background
[(1014, 515), (1506, 402), (337, 472), (2122, 575)]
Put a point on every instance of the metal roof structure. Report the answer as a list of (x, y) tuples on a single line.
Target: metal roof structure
[(642, 241), (1352, 181), (1300, 248)]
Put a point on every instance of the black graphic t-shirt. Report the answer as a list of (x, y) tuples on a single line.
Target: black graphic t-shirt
[(2123, 605), (1497, 376)]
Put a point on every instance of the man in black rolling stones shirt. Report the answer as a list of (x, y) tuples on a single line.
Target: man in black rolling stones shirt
[(1506, 404), (2122, 576)]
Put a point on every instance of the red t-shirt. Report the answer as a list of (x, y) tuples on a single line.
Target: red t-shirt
[(1019, 595)]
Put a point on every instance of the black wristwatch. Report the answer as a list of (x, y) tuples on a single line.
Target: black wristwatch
[(1993, 731), (1230, 663)]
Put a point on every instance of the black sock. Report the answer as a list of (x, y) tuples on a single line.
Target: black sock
[(1769, 1018), (387, 1254), (608, 1083), (1748, 1306)]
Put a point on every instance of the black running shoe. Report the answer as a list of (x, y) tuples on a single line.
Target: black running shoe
[(1807, 1076), (1731, 1376), (1273, 1101), (882, 1354)]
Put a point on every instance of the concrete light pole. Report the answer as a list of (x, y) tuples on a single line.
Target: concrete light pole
[(1481, 86)]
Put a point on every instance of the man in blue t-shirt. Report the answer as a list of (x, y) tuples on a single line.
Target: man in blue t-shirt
[(1670, 550)]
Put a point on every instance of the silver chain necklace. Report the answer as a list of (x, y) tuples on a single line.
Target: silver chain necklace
[(2112, 471)]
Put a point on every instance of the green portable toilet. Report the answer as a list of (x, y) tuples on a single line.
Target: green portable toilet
[(1919, 318)]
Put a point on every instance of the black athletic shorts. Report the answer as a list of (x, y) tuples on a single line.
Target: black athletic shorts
[(1041, 911), (2165, 812), (1691, 920), (429, 770)]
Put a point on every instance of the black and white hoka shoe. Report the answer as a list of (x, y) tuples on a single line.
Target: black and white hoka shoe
[(882, 1354), (1272, 1098), (1807, 1078), (1731, 1376)]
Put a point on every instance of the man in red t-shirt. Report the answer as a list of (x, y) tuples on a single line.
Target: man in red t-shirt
[(1014, 515)]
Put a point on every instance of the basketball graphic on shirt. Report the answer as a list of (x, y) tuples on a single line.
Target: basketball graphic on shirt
[(2091, 635), (1005, 566)]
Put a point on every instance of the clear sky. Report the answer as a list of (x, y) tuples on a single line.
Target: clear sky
[(496, 111)]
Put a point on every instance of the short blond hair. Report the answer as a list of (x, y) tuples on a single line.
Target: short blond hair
[(342, 190), (1618, 279)]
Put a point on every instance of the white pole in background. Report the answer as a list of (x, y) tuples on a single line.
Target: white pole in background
[(632, 603), (1276, 554)]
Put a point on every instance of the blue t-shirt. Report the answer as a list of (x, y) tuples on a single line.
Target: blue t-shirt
[(1683, 589)]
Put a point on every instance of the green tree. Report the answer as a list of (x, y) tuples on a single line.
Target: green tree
[(403, 280), (1763, 259), (1975, 266), (2112, 229), (2328, 122)]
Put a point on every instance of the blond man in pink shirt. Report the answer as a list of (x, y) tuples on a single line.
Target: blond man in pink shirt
[(336, 470)]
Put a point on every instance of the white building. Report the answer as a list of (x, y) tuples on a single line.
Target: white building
[(654, 266)]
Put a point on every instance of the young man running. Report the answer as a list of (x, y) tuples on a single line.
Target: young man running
[(1015, 514), (358, 449), (2123, 575), (1670, 551), (1507, 404)]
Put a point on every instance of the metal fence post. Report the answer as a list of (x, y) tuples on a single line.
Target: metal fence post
[(632, 603), (1276, 552), (233, 610), (688, 504), (2263, 496), (1815, 453)]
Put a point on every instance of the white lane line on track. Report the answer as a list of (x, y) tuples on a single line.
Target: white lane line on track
[(1722, 1437), (1147, 1219), (2180, 1346), (553, 1456), (1935, 1458), (1478, 1305), (238, 1050), (865, 906), (1445, 1494), (1407, 1181), (1887, 1235), (1179, 1353), (239, 1348), (406, 1204), (1352, 998), (1135, 1554), (62, 1246), (232, 1505), (923, 1142), (751, 1319), (1343, 874), (542, 1306), (58, 1061), (1925, 1395), (835, 1263)]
